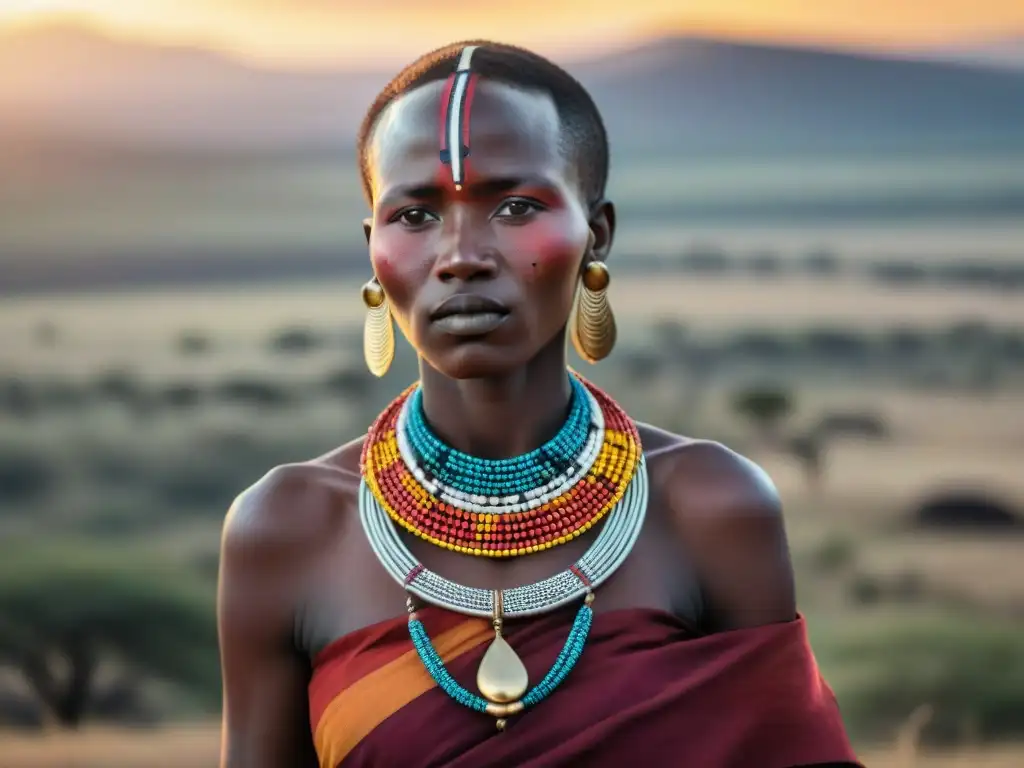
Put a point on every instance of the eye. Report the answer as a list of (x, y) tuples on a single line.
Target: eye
[(517, 208), (414, 217)]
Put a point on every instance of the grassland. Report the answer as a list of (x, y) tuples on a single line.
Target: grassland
[(143, 413)]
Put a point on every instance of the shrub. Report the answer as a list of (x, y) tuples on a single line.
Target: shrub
[(295, 340), (67, 610), (762, 346), (123, 388), (765, 407), (822, 263), (182, 395), (59, 393), (905, 343), (766, 264), (836, 345), (26, 475), (834, 554), (194, 343), (349, 384), (249, 390), (898, 272), (965, 509), (706, 260), (970, 672), (18, 397)]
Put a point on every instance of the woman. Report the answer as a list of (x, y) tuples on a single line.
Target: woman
[(580, 589)]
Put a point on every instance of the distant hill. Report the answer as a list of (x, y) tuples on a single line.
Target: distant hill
[(1004, 53), (70, 84), (708, 94), (126, 164)]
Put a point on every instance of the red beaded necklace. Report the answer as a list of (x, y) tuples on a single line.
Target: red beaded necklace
[(513, 525)]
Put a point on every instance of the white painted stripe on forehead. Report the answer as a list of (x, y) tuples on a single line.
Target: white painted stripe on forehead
[(455, 127), (466, 57)]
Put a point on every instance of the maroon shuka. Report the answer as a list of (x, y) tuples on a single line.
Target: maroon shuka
[(647, 692)]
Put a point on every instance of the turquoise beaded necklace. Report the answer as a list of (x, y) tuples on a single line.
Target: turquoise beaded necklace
[(403, 450), (500, 477), (567, 659)]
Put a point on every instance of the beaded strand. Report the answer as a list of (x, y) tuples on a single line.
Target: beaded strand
[(517, 501), (609, 549), (491, 477), (511, 522), (559, 671), (474, 506)]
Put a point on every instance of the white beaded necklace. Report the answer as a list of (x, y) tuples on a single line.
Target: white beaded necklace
[(611, 547), (501, 505)]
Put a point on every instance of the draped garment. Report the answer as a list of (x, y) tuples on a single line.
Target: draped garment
[(646, 691)]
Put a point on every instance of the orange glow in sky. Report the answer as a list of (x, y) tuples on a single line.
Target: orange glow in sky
[(313, 31)]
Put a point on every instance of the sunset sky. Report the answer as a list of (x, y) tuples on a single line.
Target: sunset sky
[(322, 31)]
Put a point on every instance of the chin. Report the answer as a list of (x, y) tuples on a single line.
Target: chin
[(477, 360)]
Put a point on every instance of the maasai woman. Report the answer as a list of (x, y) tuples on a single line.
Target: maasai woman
[(507, 570)]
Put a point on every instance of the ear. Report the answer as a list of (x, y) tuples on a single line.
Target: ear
[(367, 229), (602, 229)]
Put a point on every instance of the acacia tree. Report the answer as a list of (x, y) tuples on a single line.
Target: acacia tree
[(765, 408), (63, 614)]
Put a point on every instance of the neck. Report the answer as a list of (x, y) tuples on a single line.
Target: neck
[(500, 417)]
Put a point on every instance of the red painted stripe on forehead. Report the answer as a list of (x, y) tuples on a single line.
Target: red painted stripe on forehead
[(467, 109), (446, 98)]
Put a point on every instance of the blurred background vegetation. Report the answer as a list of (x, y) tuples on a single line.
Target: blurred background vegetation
[(821, 264), (899, 464)]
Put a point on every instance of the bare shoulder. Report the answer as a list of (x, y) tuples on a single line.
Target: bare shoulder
[(703, 479), (291, 511), (728, 516), (275, 533)]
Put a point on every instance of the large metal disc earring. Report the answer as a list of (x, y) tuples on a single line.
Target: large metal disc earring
[(593, 324), (378, 331)]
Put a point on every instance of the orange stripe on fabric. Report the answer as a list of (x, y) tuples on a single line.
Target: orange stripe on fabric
[(351, 657), (365, 704)]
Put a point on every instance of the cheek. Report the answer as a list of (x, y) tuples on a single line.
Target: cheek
[(398, 267), (548, 250), (383, 264)]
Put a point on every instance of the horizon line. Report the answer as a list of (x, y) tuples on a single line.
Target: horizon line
[(636, 38)]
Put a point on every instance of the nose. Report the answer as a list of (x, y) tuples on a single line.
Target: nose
[(465, 251)]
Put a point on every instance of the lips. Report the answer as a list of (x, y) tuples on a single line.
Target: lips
[(468, 315), (468, 304)]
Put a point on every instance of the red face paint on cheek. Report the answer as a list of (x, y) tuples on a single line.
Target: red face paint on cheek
[(399, 266), (383, 266), (546, 249)]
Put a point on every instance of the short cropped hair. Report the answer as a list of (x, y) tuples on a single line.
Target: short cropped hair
[(584, 139)]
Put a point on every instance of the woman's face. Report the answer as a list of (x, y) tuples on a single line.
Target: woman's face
[(482, 278)]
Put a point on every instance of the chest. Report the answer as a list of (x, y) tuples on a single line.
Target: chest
[(353, 589)]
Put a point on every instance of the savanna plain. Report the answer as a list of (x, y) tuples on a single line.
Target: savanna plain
[(888, 415)]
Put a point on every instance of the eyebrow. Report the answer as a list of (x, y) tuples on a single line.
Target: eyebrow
[(483, 188)]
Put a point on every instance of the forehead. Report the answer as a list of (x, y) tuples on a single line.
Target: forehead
[(512, 132)]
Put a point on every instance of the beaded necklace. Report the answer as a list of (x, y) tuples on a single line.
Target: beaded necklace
[(516, 476), (506, 507), (502, 678), (597, 564)]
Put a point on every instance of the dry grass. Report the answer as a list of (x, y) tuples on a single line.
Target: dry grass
[(198, 746), (137, 323), (939, 440)]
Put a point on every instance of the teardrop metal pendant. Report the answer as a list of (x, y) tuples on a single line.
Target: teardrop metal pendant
[(502, 676)]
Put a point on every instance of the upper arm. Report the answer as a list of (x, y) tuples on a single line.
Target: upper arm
[(265, 708), (731, 517)]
